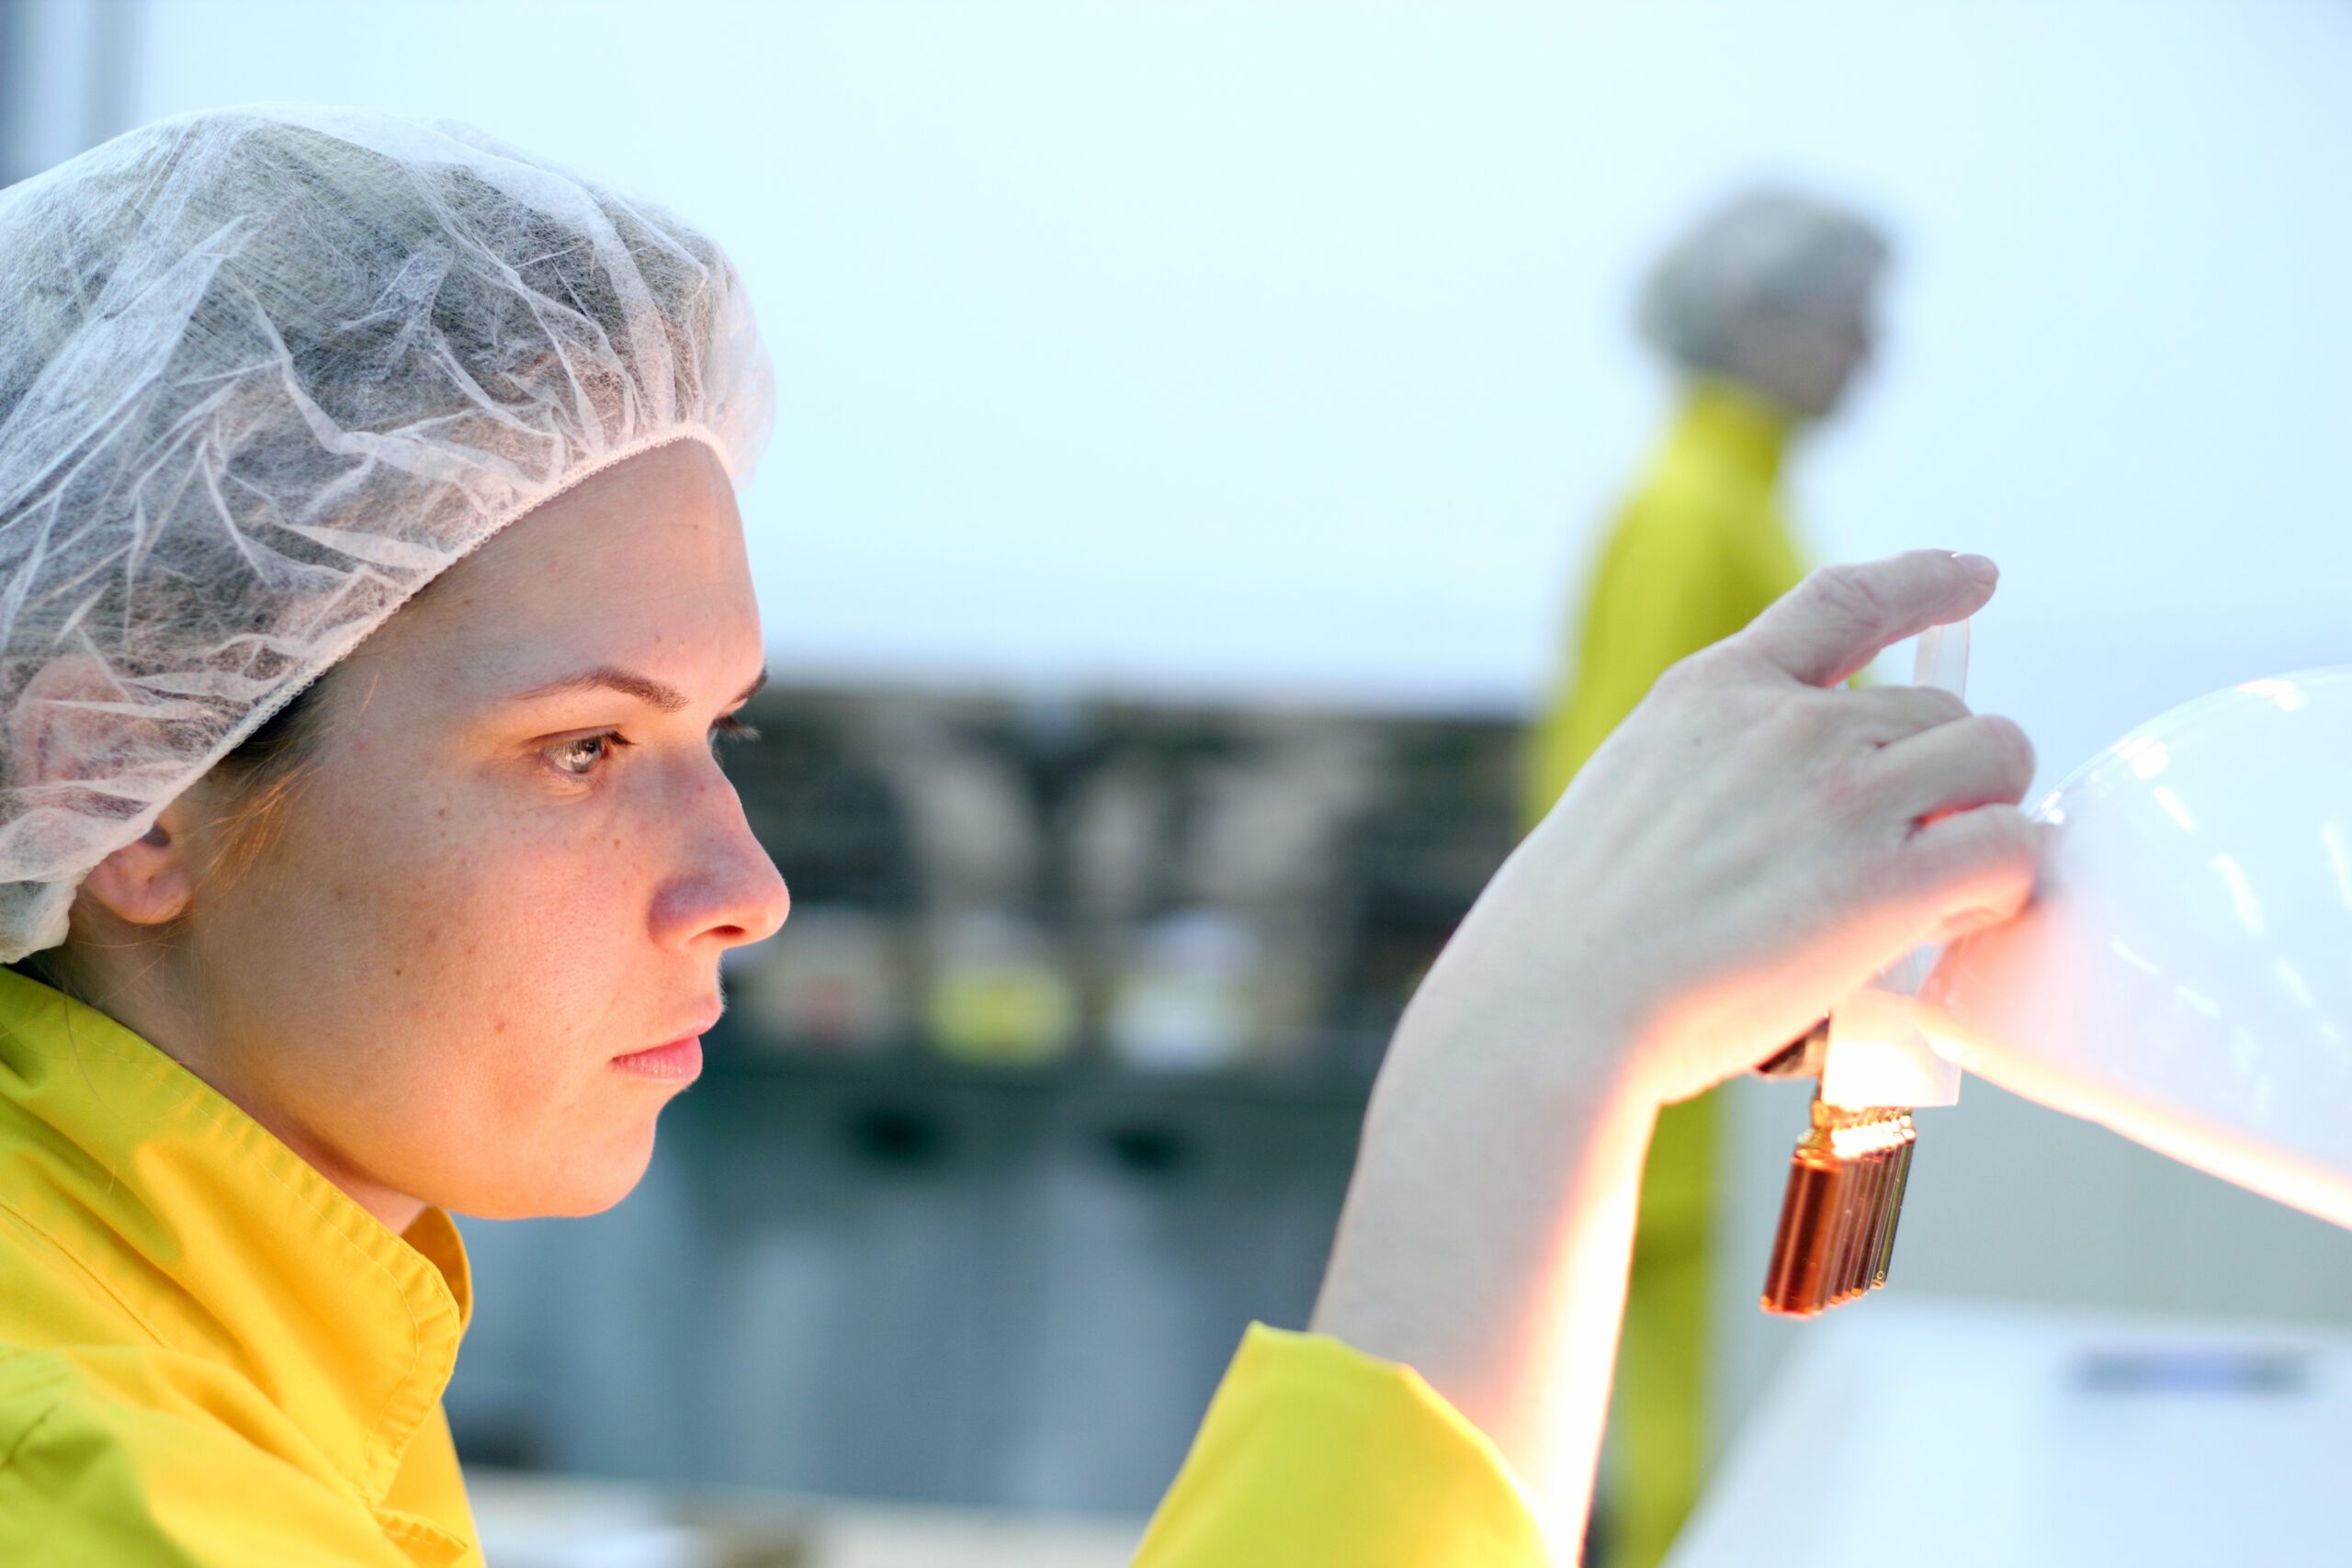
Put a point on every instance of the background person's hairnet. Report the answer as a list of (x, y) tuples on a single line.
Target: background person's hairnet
[(264, 373), (1766, 256)]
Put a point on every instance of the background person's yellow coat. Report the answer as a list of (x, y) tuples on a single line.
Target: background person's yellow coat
[(1694, 554), (211, 1358)]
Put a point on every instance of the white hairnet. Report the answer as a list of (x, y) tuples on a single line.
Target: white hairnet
[(264, 373), (1765, 252)]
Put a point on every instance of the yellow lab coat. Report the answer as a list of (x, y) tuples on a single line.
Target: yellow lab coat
[(211, 1358), (1700, 548)]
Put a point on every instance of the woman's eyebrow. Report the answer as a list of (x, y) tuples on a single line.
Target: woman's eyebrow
[(647, 690)]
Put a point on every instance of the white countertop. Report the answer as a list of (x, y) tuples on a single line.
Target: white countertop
[(1979, 1437)]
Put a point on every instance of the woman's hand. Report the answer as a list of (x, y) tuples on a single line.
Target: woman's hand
[(1755, 841)]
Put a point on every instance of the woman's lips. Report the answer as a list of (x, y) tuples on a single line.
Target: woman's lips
[(678, 1059)]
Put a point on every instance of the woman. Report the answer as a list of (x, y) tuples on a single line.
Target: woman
[(1765, 310), (374, 593)]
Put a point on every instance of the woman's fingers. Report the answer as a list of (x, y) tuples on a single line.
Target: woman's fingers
[(1883, 715), (1975, 868), (1978, 760), (1839, 618)]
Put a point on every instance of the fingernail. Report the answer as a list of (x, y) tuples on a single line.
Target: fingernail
[(1981, 568)]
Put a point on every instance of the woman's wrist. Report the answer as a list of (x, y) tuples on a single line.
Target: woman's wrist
[(1569, 1034)]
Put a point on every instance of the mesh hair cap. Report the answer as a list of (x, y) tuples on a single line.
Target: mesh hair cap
[(264, 374), (1765, 252)]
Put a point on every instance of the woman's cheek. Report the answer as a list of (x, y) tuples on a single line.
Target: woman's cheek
[(478, 906)]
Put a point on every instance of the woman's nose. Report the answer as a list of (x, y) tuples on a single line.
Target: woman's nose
[(727, 891)]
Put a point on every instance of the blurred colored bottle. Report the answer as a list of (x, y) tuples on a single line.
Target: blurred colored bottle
[(1188, 999), (999, 993), (838, 984)]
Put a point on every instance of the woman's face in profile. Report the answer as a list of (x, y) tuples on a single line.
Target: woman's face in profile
[(1808, 357), (513, 859)]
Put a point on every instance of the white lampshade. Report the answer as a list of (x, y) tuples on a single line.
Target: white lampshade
[(2185, 972)]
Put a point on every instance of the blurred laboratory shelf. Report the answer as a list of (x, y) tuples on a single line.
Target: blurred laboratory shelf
[(529, 1520), (1952, 1434), (899, 1278)]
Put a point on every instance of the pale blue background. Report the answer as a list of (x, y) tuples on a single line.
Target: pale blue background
[(1232, 346)]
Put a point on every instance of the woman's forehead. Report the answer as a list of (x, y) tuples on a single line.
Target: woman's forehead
[(639, 569), (690, 662)]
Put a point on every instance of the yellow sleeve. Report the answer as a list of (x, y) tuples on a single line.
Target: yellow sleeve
[(1316, 1455)]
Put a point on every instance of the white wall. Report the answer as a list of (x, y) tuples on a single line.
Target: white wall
[(1254, 342), (61, 85), (1261, 345)]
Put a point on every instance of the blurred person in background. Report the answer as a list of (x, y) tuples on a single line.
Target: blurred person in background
[(374, 600), (1766, 312)]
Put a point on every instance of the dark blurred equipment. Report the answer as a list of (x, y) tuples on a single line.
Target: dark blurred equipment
[(1016, 882)]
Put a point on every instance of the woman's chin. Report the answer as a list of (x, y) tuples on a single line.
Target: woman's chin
[(575, 1192)]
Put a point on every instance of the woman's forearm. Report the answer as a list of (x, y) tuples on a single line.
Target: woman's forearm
[(1496, 1270)]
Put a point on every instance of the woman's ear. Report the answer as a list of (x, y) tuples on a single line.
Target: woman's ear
[(151, 879)]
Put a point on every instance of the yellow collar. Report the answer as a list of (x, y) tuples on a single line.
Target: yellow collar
[(1726, 422), (217, 1240)]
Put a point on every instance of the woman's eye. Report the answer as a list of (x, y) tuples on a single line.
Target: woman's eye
[(729, 728), (578, 758)]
